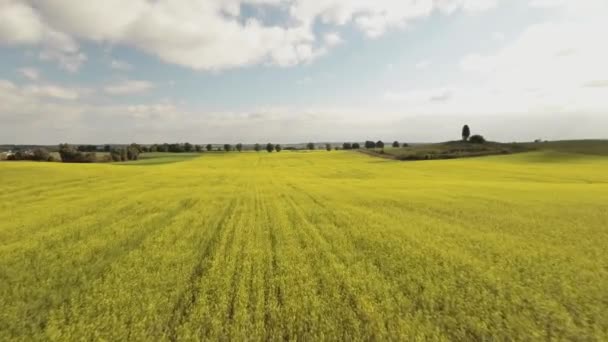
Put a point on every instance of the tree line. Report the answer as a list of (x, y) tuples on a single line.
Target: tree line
[(87, 153)]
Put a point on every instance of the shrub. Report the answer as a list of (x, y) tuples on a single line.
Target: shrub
[(477, 139), (347, 146), (395, 144), (278, 148), (370, 144), (356, 146), (379, 144), (404, 145)]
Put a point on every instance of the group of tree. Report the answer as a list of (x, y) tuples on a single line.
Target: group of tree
[(87, 148), (70, 154), (126, 153), (371, 145), (349, 146), (174, 148), (36, 154), (474, 139), (270, 147)]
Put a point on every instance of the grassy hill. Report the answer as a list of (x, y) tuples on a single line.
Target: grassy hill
[(459, 149), (446, 150), (591, 147)]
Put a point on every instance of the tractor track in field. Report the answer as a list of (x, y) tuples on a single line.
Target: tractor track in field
[(189, 297)]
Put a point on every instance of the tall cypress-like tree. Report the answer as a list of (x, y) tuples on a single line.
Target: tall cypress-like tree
[(466, 133)]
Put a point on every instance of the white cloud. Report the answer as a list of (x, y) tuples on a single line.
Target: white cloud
[(51, 91), (305, 80), (129, 87), (423, 64), (557, 66), (596, 84), (332, 39), (31, 74), (19, 24), (554, 57), (206, 35), (40, 91), (498, 36), (120, 65)]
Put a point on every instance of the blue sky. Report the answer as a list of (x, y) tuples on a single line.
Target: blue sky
[(298, 70)]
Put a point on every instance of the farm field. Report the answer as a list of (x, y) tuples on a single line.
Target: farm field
[(308, 246)]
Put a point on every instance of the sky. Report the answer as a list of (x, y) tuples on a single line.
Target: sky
[(290, 71)]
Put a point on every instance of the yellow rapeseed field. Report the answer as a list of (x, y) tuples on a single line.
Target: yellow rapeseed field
[(307, 246)]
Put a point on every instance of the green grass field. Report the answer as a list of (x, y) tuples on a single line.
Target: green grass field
[(306, 246), (155, 158)]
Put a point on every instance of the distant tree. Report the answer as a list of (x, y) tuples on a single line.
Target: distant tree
[(209, 147), (176, 148), (356, 146), (380, 144), (466, 133), (269, 147), (370, 144), (163, 148), (137, 147), (310, 146), (154, 148), (328, 147), (257, 147), (188, 147), (145, 149), (278, 148), (106, 148), (239, 147), (124, 155), (87, 148), (347, 146), (197, 148), (227, 147), (115, 155), (404, 145), (395, 144), (477, 139), (132, 153), (41, 154), (69, 154)]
